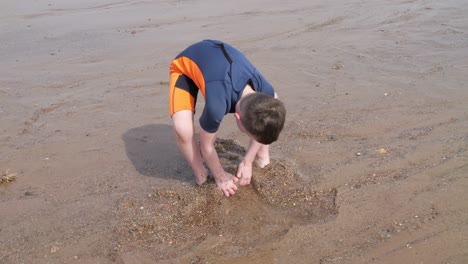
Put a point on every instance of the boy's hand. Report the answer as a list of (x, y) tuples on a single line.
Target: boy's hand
[(226, 183), (244, 173)]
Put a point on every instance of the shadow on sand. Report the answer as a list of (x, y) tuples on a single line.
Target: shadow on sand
[(153, 152)]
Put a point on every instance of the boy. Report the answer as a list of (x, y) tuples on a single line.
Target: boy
[(229, 84)]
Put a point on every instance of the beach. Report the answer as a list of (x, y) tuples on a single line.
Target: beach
[(371, 166)]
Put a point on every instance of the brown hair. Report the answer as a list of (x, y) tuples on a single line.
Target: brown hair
[(262, 116)]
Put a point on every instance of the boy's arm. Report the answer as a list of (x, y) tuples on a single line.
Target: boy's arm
[(244, 172), (224, 180)]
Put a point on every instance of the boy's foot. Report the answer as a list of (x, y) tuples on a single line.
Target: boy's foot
[(262, 159), (262, 162), (201, 177)]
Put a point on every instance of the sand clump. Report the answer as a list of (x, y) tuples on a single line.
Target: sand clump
[(282, 187), (7, 177)]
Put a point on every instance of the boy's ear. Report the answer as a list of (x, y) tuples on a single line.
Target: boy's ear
[(237, 115)]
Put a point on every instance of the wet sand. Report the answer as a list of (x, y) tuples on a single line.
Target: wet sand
[(372, 166)]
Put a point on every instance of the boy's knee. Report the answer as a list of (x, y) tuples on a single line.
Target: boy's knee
[(183, 135), (183, 126)]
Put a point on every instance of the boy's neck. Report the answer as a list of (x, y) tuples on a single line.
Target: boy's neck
[(247, 90)]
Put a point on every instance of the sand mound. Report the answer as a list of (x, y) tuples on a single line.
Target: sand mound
[(174, 221)]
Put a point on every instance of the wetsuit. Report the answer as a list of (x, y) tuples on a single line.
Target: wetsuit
[(220, 72)]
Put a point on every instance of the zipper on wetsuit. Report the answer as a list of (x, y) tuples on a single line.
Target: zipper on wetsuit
[(228, 58), (225, 52)]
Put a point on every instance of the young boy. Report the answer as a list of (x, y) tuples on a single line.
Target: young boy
[(229, 84)]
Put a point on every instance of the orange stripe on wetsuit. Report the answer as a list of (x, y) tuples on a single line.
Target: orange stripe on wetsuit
[(185, 76)]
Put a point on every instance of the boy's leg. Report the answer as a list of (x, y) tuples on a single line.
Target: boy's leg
[(263, 156), (188, 145)]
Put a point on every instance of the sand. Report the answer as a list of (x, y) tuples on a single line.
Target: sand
[(372, 166)]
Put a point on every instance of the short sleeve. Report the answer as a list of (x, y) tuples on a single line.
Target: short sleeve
[(215, 109), (262, 85), (210, 120)]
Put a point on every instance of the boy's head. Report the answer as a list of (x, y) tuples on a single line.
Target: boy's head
[(262, 116)]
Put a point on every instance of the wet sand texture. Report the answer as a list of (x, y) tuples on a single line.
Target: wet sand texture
[(371, 166)]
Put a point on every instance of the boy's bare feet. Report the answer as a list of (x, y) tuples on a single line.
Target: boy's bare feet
[(201, 176), (262, 162), (262, 159)]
